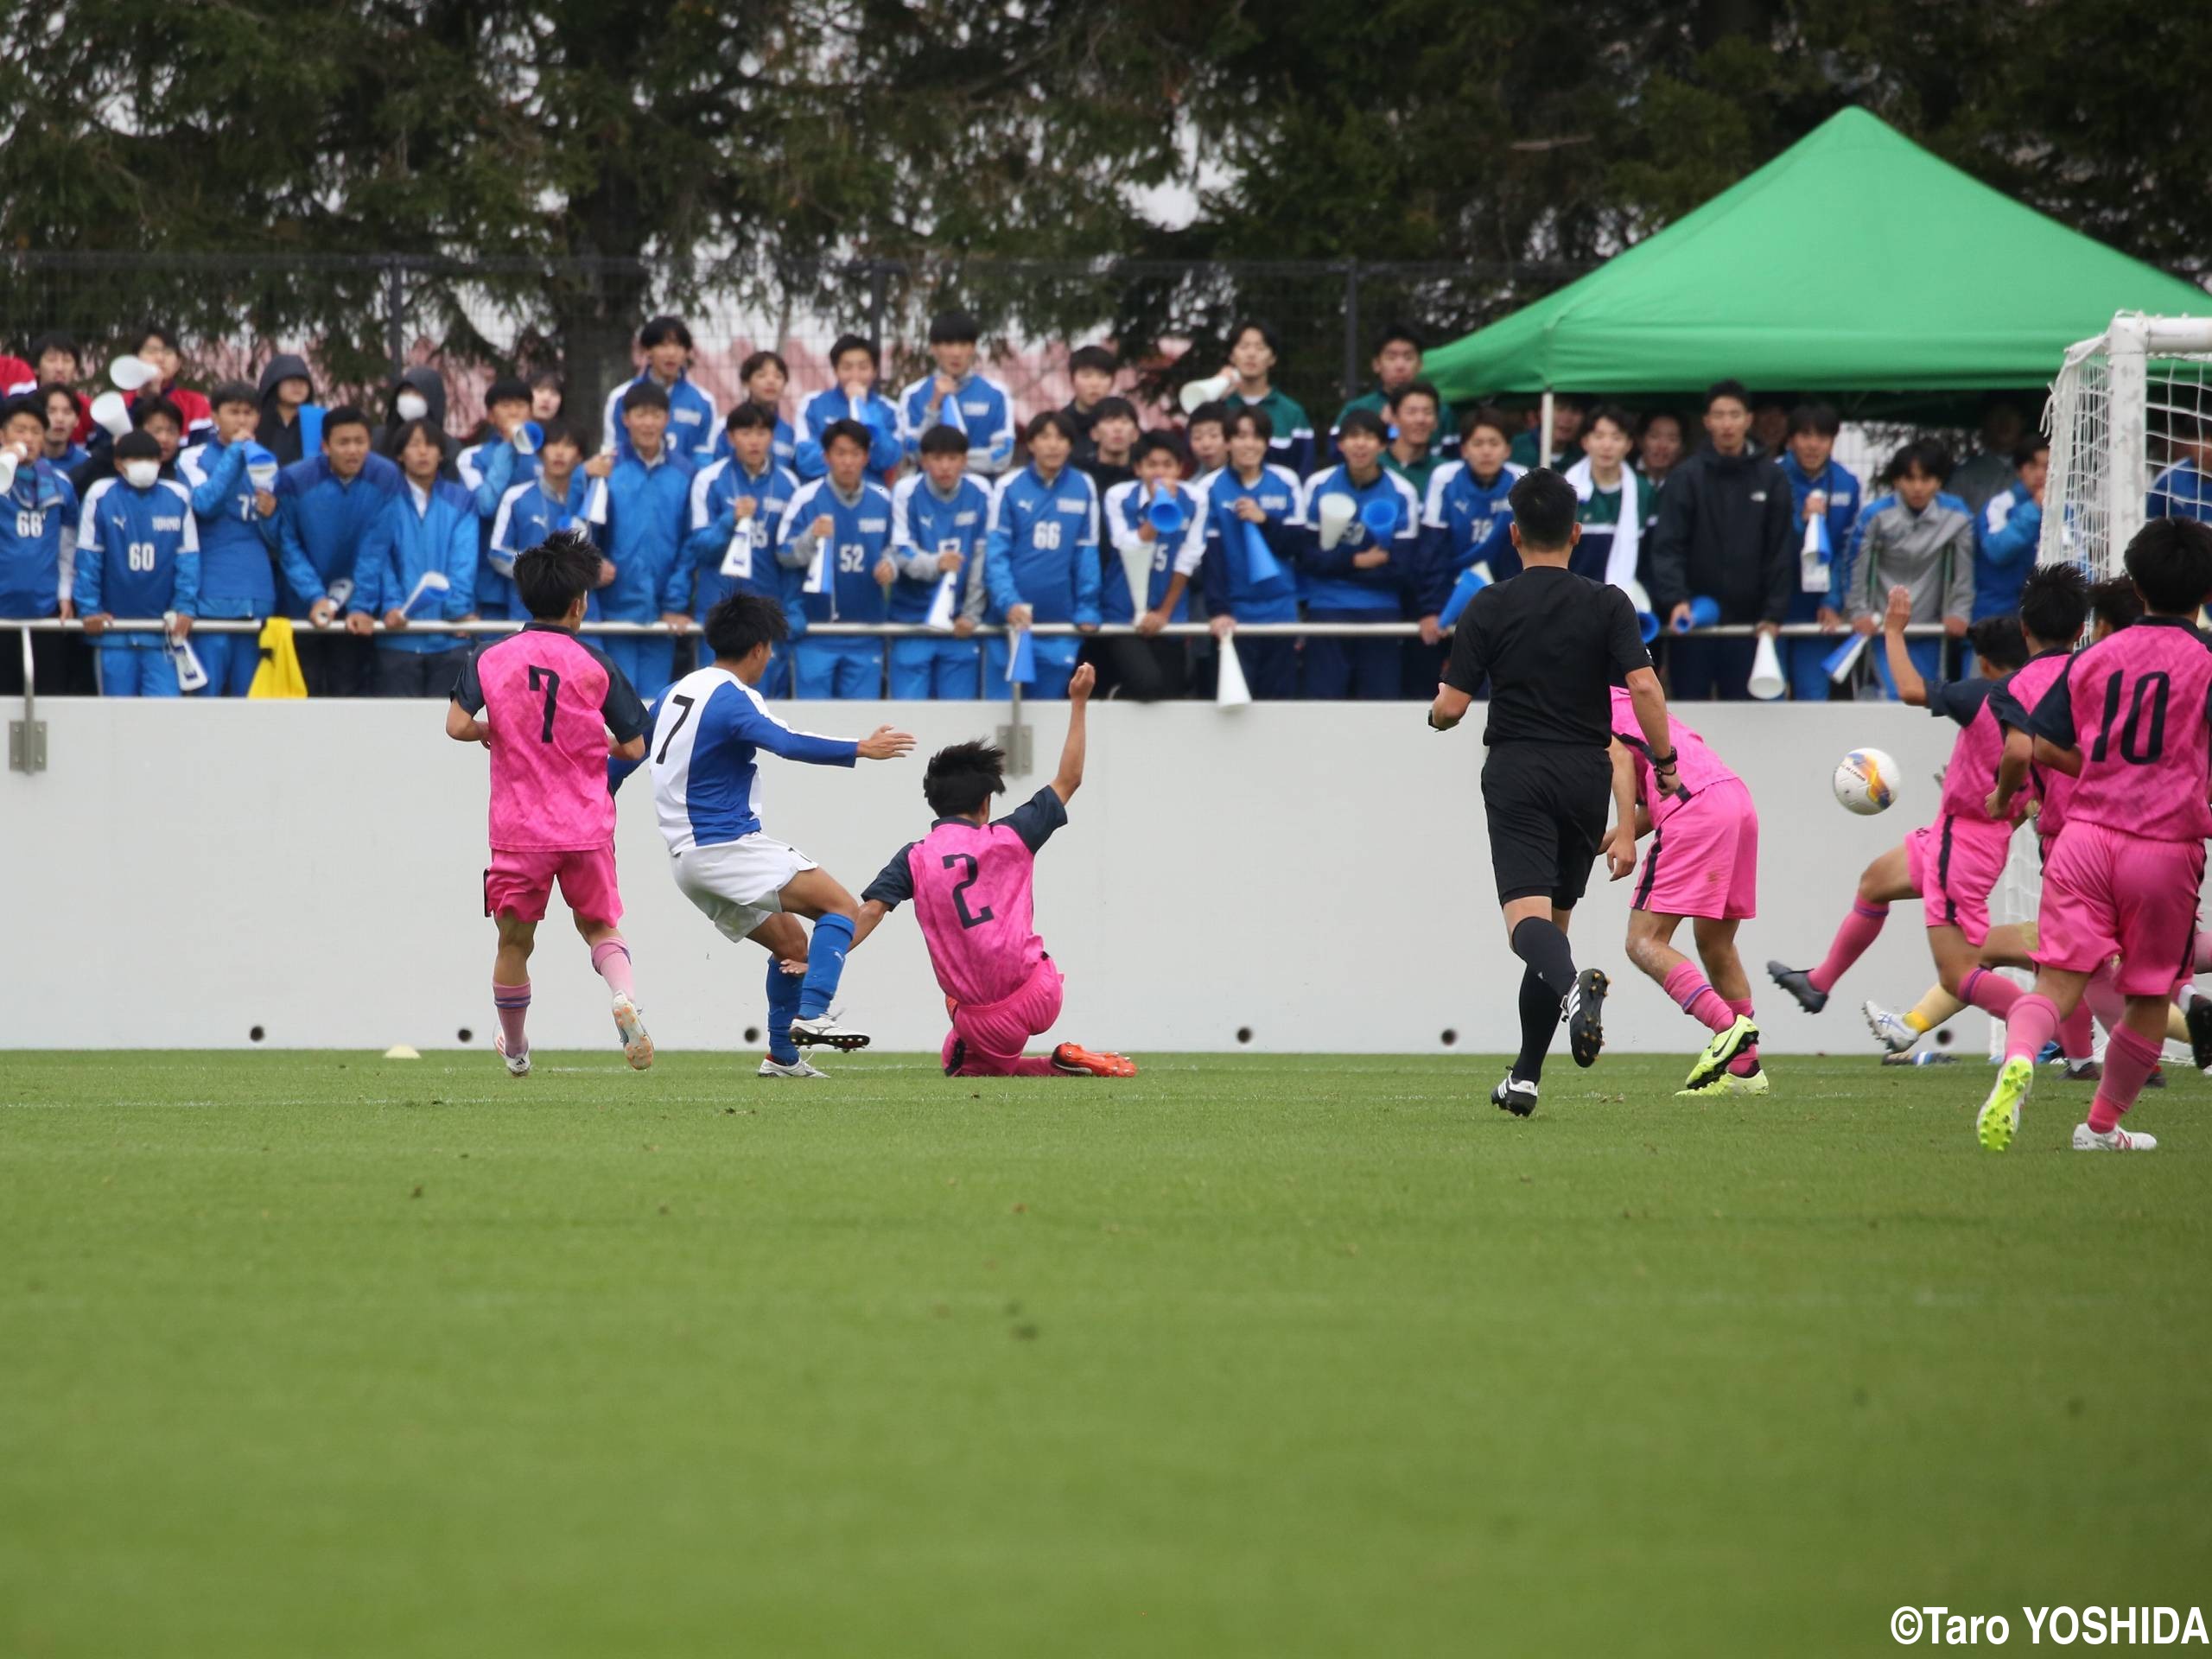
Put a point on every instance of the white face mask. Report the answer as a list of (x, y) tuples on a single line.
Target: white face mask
[(141, 474), (411, 406)]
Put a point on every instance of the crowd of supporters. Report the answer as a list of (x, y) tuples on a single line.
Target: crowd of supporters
[(934, 506)]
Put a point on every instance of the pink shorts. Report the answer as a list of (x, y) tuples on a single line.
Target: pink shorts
[(2106, 894), (1955, 864), (520, 883), (994, 1033), (1704, 859)]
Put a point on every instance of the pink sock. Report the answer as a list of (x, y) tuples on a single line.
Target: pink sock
[(2077, 1037), (1860, 929), (1697, 999), (2128, 1060), (1747, 1058), (610, 960), (2033, 1022), (513, 1004), (1991, 993), (2102, 995)]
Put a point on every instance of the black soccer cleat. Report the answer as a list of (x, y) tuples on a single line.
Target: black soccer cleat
[(1515, 1095), (1798, 981), (2200, 1033), (1583, 1016)]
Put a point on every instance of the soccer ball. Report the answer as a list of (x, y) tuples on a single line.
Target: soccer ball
[(1865, 782)]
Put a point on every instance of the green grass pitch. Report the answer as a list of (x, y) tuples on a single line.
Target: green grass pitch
[(319, 1354)]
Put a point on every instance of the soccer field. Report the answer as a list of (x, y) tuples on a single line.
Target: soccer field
[(323, 1354)]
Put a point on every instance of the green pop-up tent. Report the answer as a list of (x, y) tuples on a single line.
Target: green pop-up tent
[(1853, 262)]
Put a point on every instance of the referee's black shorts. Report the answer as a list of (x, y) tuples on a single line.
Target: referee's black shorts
[(1547, 805)]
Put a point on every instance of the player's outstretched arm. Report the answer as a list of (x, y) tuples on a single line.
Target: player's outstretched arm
[(1903, 672), (871, 912), (885, 743), (1069, 777)]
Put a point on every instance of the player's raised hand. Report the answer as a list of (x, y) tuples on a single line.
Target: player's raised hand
[(1081, 682), (1900, 608), (886, 743)]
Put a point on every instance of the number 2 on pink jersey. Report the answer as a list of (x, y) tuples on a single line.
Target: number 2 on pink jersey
[(960, 890)]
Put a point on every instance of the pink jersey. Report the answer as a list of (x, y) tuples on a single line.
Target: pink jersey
[(1698, 767), (2136, 704), (971, 888), (549, 700), (2013, 702), (1971, 773)]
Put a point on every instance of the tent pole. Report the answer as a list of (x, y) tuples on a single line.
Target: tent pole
[(1544, 431)]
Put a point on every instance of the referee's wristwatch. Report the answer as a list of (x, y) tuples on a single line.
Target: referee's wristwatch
[(1664, 765)]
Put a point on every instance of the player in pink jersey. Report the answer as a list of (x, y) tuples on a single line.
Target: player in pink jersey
[(970, 880), (1951, 865), (2131, 722), (552, 710), (1702, 864)]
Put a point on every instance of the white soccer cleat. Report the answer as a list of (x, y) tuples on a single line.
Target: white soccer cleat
[(2115, 1140), (636, 1045), (824, 1031), (518, 1065), (1515, 1095), (773, 1067), (1890, 1029)]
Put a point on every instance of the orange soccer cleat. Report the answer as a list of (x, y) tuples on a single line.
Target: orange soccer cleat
[(1079, 1061)]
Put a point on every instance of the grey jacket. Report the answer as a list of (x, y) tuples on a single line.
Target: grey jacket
[(1930, 554)]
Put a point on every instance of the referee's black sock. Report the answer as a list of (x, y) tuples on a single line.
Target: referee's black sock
[(1539, 942), (1539, 1020)]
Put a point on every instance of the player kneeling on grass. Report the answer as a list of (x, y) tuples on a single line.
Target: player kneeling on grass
[(548, 704), (1702, 864), (706, 744), (970, 880)]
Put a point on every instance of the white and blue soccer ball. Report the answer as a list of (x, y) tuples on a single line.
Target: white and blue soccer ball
[(1866, 782)]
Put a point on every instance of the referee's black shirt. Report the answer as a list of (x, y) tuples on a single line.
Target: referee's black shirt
[(1553, 644)]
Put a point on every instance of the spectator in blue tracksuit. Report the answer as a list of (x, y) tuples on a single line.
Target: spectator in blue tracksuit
[(428, 525), (956, 396), (1138, 583), (137, 556), (692, 426), (764, 376), (1466, 519), (1040, 559), (2184, 490), (638, 513), (38, 541), (2011, 525), (1251, 490), (497, 459), (237, 512), (1356, 576), (326, 506), (837, 530), (556, 499), (1818, 484), (854, 399), (737, 503), (940, 530)]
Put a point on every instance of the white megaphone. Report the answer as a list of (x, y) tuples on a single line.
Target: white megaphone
[(191, 674), (132, 372), (1229, 689), (1767, 682), (1337, 513), (1136, 564), (1196, 392), (9, 462), (940, 616), (110, 413)]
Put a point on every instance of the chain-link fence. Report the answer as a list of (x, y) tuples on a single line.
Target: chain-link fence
[(359, 320)]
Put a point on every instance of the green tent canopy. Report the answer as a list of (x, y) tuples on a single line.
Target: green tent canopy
[(1853, 262)]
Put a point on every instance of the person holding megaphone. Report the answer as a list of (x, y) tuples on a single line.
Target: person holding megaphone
[(1363, 526), (1147, 522)]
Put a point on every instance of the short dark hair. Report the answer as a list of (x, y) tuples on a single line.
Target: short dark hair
[(146, 408), (1051, 420), (1363, 420), (1254, 326), (962, 778), (1396, 330), (1151, 444), (952, 328), (1543, 506), (644, 394), (1997, 639), (344, 415), (557, 432), (760, 361), (421, 426), (556, 574), (23, 403), (746, 415), (2030, 446), (54, 343), (160, 331), (851, 432), (1623, 422), (1251, 415), (2115, 603), (1819, 419), (943, 440), (549, 377), (234, 391), (1921, 455), (1487, 415), (1721, 388), (1654, 414), (1094, 357), (852, 343), (1213, 414), (53, 389), (661, 330), (1417, 389), (737, 624), (1113, 409), (2054, 603), (137, 446), (2170, 560), (508, 389)]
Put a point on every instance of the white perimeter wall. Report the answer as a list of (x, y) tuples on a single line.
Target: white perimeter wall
[(1317, 872)]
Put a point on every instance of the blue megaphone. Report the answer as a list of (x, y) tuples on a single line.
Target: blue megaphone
[(1704, 613), (1261, 564), (1647, 624), (1379, 514), (1472, 581), (1165, 514), (530, 438), (1021, 660), (260, 467)]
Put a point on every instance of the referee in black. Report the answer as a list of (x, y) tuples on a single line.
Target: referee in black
[(1552, 646)]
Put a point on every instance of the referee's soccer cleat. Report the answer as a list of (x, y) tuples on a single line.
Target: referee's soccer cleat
[(1890, 1029), (2000, 1113), (518, 1065), (773, 1067), (1798, 981), (1584, 1015), (1074, 1060), (1515, 1095), (2113, 1140), (636, 1045), (824, 1031), (1725, 1046), (1728, 1083), (2199, 1017)]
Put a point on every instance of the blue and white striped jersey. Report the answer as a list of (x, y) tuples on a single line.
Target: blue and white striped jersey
[(707, 737)]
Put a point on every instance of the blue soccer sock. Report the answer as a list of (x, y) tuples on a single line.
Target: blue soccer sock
[(783, 1003), (825, 966)]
